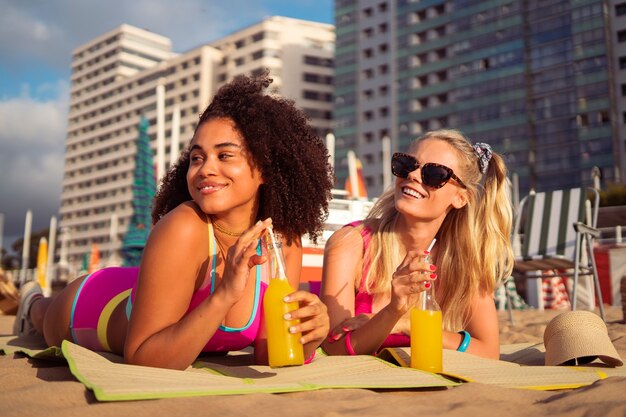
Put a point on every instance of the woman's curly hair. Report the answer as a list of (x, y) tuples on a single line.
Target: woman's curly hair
[(292, 159)]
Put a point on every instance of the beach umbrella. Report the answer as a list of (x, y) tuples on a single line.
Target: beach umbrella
[(355, 183), (144, 189), (42, 262), (94, 259)]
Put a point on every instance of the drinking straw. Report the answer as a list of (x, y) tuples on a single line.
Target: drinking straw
[(430, 247)]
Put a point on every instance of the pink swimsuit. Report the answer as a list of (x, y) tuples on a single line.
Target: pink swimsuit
[(363, 300), (103, 290)]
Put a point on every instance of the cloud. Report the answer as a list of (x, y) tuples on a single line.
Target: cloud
[(49, 31), (32, 144)]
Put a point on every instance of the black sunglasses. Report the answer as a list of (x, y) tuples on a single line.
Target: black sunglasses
[(433, 175)]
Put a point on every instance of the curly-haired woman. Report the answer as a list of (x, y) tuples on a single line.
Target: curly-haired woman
[(253, 162), (445, 188)]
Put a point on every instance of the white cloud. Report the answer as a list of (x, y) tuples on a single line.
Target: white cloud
[(32, 144), (49, 31)]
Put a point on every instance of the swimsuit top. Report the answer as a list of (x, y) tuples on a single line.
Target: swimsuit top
[(363, 300), (227, 338)]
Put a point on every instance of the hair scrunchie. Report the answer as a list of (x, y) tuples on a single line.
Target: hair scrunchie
[(483, 152)]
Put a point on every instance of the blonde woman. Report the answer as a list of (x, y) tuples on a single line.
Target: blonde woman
[(445, 188)]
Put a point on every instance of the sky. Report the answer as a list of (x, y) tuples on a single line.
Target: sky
[(36, 42)]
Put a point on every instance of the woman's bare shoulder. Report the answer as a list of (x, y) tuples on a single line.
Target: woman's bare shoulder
[(184, 223)]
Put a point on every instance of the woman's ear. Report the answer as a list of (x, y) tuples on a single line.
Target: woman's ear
[(460, 199)]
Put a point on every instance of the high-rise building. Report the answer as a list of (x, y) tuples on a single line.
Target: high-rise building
[(617, 12), (532, 78), (128, 73)]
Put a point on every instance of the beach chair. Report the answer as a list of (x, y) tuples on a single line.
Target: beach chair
[(559, 228)]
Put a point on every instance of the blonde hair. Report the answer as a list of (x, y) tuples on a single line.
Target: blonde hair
[(481, 256)]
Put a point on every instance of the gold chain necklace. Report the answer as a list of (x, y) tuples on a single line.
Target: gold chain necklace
[(226, 231)]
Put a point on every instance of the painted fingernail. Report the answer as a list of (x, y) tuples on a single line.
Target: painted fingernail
[(287, 316), (433, 276), (286, 299), (258, 223), (427, 285), (426, 252), (433, 267), (345, 329), (292, 329), (330, 339)]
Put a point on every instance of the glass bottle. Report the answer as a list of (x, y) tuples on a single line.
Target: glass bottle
[(284, 348), (426, 332)]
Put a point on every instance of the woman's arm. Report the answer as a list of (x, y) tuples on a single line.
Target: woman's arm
[(483, 328), (174, 260), (343, 259)]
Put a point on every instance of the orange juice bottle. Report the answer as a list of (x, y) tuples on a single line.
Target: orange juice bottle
[(426, 333), (284, 348)]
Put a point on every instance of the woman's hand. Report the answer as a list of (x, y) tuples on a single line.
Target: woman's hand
[(347, 326), (314, 321), (412, 276), (240, 260)]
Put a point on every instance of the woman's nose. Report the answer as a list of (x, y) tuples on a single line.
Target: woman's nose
[(415, 175), (209, 167)]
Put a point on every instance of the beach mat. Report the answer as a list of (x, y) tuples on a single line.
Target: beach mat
[(32, 346), (523, 368), (112, 381)]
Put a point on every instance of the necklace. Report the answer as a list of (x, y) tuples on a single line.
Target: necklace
[(226, 231)]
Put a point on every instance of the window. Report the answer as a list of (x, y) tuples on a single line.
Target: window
[(620, 9), (257, 55), (622, 62), (318, 61), (240, 44), (257, 37), (621, 35), (623, 89)]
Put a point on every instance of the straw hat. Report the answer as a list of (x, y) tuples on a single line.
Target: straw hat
[(579, 337)]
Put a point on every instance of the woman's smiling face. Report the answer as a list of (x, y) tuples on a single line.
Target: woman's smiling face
[(221, 176), (413, 198)]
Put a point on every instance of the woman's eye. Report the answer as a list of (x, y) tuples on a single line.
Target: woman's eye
[(195, 159), (223, 156)]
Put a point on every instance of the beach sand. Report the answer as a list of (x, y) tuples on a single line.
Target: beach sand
[(44, 388)]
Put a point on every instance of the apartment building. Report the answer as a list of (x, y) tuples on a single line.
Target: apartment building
[(617, 13), (129, 72), (532, 78)]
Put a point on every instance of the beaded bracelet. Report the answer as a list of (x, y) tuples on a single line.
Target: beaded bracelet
[(465, 342)]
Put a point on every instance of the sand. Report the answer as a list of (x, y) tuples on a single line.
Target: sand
[(44, 388)]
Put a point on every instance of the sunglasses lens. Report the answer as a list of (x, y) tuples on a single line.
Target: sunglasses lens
[(435, 176), (403, 165)]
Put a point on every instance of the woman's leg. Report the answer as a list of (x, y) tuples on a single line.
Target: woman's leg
[(53, 315)]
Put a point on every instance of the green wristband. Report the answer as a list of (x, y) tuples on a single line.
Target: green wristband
[(465, 342)]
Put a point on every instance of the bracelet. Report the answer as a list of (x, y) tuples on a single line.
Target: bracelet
[(348, 344), (310, 358), (465, 342)]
